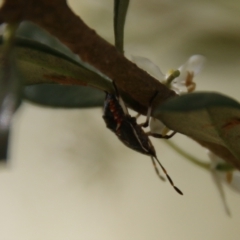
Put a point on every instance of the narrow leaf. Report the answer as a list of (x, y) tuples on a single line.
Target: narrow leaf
[(120, 12), (62, 96), (41, 64), (9, 89), (31, 31)]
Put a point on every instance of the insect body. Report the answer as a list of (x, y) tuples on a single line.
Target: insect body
[(130, 132), (126, 127)]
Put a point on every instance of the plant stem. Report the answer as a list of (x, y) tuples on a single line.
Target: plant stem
[(189, 157)]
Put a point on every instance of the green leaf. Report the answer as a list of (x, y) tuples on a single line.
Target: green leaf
[(9, 89), (41, 64), (198, 100), (64, 96), (33, 32), (120, 12), (209, 117), (55, 95)]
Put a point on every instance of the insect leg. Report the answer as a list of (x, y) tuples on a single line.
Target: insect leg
[(168, 177), (146, 123), (120, 100), (158, 135), (138, 115)]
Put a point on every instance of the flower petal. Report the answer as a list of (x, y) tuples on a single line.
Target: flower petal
[(148, 66), (194, 64), (156, 126)]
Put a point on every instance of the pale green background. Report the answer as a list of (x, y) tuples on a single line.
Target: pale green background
[(70, 177)]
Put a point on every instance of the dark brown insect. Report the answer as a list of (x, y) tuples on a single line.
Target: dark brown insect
[(130, 133)]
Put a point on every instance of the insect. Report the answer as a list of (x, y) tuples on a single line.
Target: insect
[(130, 133)]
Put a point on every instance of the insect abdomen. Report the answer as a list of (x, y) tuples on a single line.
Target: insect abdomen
[(113, 114)]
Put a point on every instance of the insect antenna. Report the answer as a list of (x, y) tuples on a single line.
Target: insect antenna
[(156, 169), (164, 170)]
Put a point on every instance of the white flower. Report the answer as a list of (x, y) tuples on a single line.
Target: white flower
[(181, 84), (156, 126), (180, 81), (184, 83), (149, 66)]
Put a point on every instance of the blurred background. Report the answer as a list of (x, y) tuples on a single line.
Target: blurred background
[(71, 178)]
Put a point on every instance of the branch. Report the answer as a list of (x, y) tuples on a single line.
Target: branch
[(59, 20)]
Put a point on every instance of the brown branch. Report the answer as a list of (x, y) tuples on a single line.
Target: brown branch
[(58, 19)]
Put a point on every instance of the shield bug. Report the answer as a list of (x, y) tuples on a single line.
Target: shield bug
[(130, 133)]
